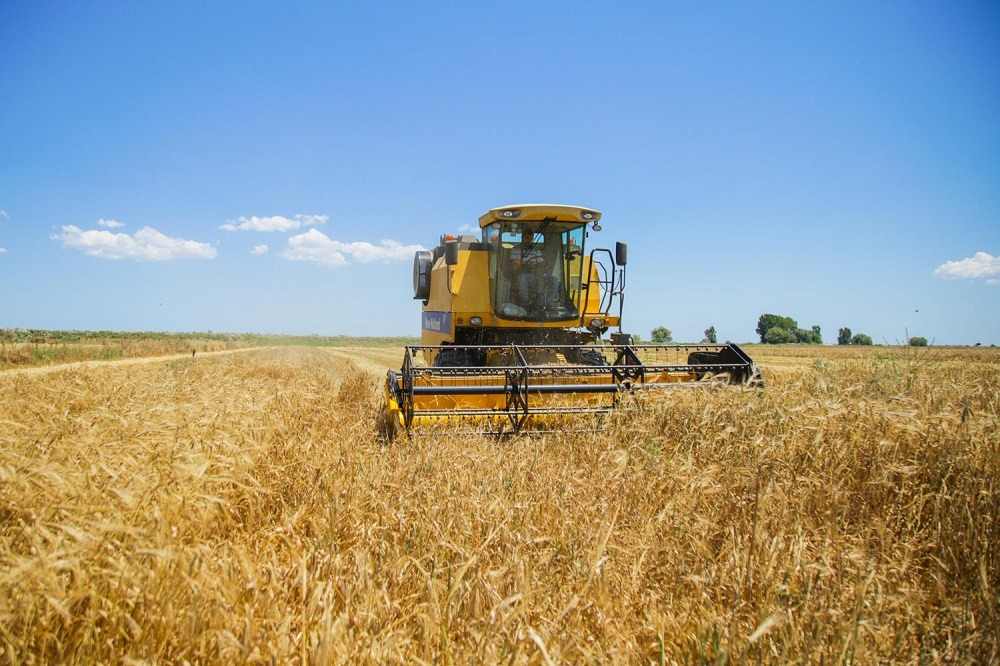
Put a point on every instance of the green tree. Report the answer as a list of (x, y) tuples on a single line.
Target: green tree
[(844, 336), (710, 335), (778, 336), (918, 341), (769, 321), (661, 334), (790, 331), (808, 337), (861, 339)]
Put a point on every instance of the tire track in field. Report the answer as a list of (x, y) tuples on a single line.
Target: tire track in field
[(74, 365), (374, 361)]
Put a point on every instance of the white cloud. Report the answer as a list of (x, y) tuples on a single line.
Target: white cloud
[(2, 250), (274, 223), (316, 246), (980, 265), (111, 224), (993, 281), (147, 244), (260, 249)]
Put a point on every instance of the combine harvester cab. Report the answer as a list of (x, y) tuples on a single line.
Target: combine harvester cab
[(513, 326)]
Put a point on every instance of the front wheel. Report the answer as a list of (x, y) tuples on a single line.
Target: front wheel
[(458, 357), (591, 357)]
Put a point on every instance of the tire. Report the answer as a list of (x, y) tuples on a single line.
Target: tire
[(591, 357), (458, 358)]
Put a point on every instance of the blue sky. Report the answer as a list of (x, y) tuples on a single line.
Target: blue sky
[(260, 167)]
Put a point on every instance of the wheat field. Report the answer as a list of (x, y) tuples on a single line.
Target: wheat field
[(241, 508)]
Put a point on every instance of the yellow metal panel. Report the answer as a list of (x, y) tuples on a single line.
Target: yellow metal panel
[(470, 282), (462, 290), (537, 212)]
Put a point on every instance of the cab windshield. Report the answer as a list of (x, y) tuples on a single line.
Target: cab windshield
[(536, 269)]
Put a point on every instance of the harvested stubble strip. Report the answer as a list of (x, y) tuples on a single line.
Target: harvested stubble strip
[(242, 508)]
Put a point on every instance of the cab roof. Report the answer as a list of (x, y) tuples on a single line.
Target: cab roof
[(539, 212)]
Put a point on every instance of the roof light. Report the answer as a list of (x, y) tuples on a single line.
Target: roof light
[(510, 213), (587, 215)]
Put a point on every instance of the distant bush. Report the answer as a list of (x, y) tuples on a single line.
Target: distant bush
[(861, 339), (918, 341), (844, 336)]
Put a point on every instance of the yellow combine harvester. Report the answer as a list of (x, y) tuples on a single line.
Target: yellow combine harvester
[(513, 326)]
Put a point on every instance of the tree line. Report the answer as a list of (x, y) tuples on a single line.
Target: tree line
[(776, 329), (663, 335)]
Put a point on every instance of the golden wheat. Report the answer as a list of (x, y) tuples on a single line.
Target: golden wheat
[(242, 509)]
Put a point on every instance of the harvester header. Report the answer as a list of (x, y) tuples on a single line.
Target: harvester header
[(513, 329)]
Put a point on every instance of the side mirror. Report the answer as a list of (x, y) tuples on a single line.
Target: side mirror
[(451, 253), (621, 253)]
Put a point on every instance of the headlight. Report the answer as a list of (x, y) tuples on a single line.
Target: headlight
[(596, 322), (510, 213), (587, 215), (476, 321)]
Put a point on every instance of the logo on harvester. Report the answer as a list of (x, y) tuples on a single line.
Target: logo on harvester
[(439, 322)]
